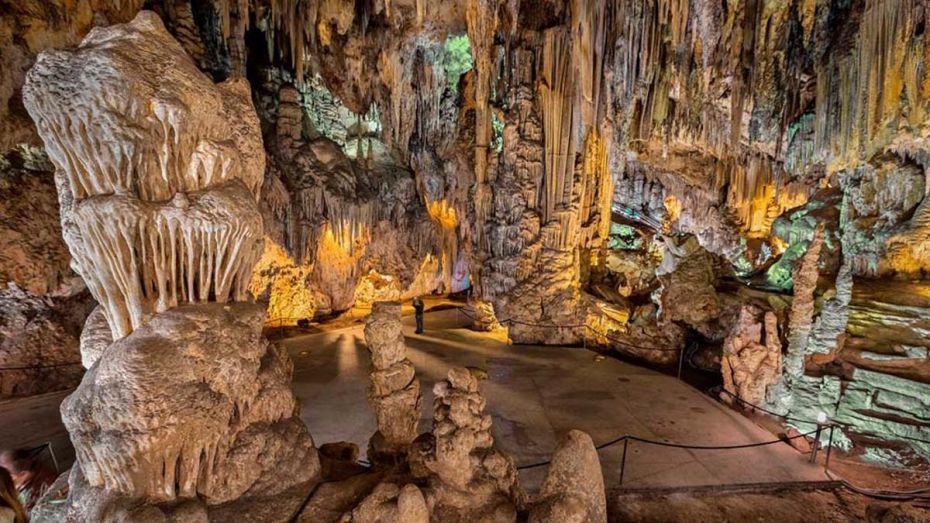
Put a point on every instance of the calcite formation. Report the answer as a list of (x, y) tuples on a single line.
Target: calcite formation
[(531, 152), (42, 302), (389, 503), (573, 489), (195, 403), (394, 392), (468, 480), (158, 171), (752, 359)]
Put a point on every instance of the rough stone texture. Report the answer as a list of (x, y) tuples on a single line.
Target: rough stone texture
[(187, 205), (42, 302), (800, 322), (28, 27), (728, 121), (39, 341), (389, 503), (394, 393), (687, 294), (95, 337), (158, 172), (193, 403), (573, 490), (467, 479), (751, 359)]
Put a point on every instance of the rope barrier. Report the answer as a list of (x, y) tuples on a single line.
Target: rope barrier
[(812, 422), (630, 437)]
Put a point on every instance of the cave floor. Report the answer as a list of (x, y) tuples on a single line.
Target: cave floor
[(534, 395), (537, 393)]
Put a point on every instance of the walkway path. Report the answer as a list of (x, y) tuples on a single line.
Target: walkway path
[(534, 394), (537, 393)]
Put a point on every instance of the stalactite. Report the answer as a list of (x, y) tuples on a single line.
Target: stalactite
[(481, 22), (556, 90), (859, 95)]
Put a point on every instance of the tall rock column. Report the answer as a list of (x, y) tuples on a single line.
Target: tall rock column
[(800, 323), (394, 393), (184, 405)]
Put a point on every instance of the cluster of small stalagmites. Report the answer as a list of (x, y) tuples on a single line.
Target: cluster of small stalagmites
[(468, 479), (158, 170), (751, 360), (394, 392)]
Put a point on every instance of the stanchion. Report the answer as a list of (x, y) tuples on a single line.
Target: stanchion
[(826, 461), (623, 460), (681, 359), (816, 446)]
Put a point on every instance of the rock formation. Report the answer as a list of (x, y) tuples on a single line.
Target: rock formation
[(158, 193), (467, 479), (42, 303), (394, 392), (573, 489), (529, 151), (752, 359), (192, 404), (389, 503)]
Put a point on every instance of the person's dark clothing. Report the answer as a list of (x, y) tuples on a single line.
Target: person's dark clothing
[(418, 309)]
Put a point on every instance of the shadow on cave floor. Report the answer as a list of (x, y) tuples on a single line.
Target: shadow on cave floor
[(534, 394), (537, 393)]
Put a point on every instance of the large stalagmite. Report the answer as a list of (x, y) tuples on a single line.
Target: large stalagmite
[(158, 172), (394, 393)]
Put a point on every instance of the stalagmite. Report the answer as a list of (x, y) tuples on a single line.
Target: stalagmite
[(158, 174), (800, 319), (394, 392), (751, 360), (468, 480), (573, 489), (166, 213)]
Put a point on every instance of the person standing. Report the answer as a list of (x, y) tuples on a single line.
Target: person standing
[(418, 310)]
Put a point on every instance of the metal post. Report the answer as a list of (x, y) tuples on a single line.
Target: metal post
[(681, 359), (51, 452), (826, 461), (623, 460), (816, 446)]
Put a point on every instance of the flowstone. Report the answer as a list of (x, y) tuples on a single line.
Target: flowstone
[(158, 170), (751, 359)]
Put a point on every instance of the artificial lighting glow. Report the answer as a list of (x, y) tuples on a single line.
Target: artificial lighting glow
[(821, 417)]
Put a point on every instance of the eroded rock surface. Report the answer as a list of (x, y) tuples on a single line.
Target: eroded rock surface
[(193, 404), (394, 393), (467, 478)]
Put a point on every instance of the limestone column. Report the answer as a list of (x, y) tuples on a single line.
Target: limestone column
[(394, 393)]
